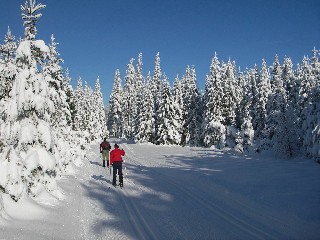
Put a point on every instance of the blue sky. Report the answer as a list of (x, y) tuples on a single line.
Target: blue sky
[(97, 37)]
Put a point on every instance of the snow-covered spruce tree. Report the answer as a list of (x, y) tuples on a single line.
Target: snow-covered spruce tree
[(77, 99), (264, 89), (8, 73), (315, 67), (27, 162), (194, 110), (67, 88), (228, 80), (277, 124), (244, 118), (311, 111), (74, 141), (79, 128), (241, 93), (88, 110), (254, 80), (61, 118), (178, 105), (99, 117), (129, 106), (155, 89), (304, 75), (185, 82), (291, 111), (311, 124), (114, 120), (229, 102), (213, 129), (247, 132), (308, 81), (139, 87), (167, 128), (145, 131), (8, 69)]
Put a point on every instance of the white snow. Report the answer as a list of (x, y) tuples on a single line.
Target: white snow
[(174, 193), (23, 49), (42, 46)]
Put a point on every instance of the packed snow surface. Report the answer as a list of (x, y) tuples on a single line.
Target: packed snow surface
[(175, 193)]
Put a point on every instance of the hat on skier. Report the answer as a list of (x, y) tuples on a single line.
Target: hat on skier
[(116, 146)]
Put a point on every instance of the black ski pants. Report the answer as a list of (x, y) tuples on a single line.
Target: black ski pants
[(117, 167)]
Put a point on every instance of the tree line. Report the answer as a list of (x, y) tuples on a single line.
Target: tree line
[(266, 108)]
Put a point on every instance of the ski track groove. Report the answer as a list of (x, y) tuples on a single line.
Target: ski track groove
[(139, 225), (213, 208)]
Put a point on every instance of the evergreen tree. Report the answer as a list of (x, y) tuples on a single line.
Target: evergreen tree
[(167, 128), (244, 112), (240, 97), (310, 122), (278, 119), (213, 129), (67, 87), (99, 117), (8, 68), (229, 94), (155, 89), (115, 123), (306, 84), (140, 88), (187, 95), (195, 111), (247, 132), (146, 127), (59, 119), (129, 102), (254, 80), (264, 89), (78, 99), (229, 104), (88, 110), (26, 128), (178, 105)]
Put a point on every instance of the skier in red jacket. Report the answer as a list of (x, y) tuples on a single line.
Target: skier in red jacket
[(116, 161)]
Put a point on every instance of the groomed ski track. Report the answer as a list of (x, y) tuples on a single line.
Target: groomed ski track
[(165, 197)]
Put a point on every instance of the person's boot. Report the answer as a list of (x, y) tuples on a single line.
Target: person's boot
[(104, 163), (121, 181)]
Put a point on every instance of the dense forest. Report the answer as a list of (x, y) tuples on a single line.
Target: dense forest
[(266, 108)]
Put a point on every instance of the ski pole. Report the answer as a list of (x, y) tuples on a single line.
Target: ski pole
[(109, 166)]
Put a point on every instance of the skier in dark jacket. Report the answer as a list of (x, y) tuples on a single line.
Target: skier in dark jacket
[(104, 149), (116, 162)]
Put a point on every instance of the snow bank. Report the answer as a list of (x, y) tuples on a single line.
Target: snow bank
[(25, 209)]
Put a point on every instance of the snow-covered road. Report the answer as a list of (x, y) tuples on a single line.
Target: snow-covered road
[(182, 193), (196, 193)]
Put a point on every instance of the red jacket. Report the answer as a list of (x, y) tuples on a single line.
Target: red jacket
[(116, 155)]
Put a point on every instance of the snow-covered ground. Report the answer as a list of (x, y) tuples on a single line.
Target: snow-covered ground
[(176, 193)]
